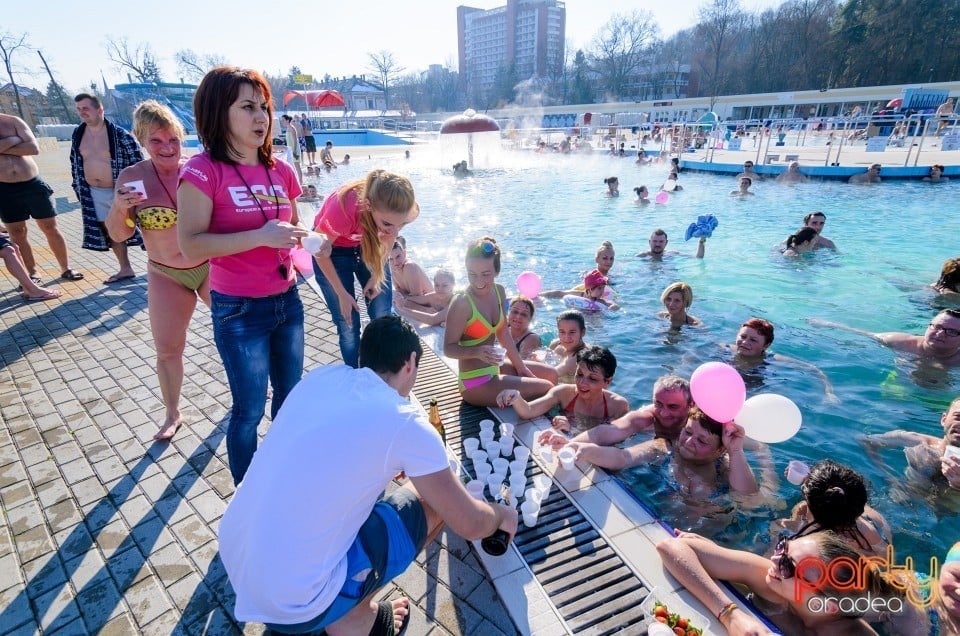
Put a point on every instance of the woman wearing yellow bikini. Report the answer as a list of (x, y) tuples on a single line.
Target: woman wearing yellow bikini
[(475, 322), (147, 196)]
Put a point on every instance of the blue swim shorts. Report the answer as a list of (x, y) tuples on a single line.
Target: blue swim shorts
[(386, 545)]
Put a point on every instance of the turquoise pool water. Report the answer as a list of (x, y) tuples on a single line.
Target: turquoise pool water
[(549, 214)]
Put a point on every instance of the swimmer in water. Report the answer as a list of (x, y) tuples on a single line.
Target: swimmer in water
[(744, 189), (803, 242), (588, 400), (676, 299), (594, 289), (429, 308), (949, 281), (936, 174), (671, 179), (643, 195), (604, 258), (571, 328), (613, 186)]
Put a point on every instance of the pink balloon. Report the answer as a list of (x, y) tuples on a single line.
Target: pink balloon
[(529, 284), (718, 390), (662, 197), (302, 260)]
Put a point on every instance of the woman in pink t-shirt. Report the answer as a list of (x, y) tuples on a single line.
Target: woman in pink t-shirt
[(362, 220), (237, 207)]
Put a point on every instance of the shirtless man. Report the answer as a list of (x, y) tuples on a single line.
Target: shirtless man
[(943, 114), (929, 459), (23, 194), (817, 220), (792, 174), (872, 175), (658, 246), (99, 151), (748, 171), (940, 343), (409, 279), (326, 155), (664, 418)]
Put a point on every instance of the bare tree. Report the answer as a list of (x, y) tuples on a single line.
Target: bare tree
[(194, 66), (9, 44), (139, 60), (621, 48), (386, 68), (721, 22)]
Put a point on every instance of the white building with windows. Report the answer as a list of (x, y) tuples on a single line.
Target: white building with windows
[(526, 33)]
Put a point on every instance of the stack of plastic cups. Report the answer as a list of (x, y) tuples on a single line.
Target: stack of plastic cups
[(493, 448), (486, 437), (518, 467), (486, 425), (500, 466), (482, 469)]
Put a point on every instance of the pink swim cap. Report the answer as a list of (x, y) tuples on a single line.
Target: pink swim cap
[(594, 279)]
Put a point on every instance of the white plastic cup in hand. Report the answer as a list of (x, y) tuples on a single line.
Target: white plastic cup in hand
[(486, 425), (475, 488), (471, 445), (521, 453), (500, 465), (313, 242), (482, 469), (530, 512), (796, 472), (506, 429), (506, 446), (951, 451), (137, 186), (567, 456)]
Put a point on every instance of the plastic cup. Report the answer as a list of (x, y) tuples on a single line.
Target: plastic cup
[(518, 467), (500, 465), (470, 445), (138, 186), (506, 429), (313, 242), (478, 456), (493, 449), (518, 478), (482, 469), (486, 425), (546, 454), (567, 456), (530, 512), (521, 453), (494, 484), (506, 446), (534, 495), (475, 488), (797, 472), (543, 484), (516, 491)]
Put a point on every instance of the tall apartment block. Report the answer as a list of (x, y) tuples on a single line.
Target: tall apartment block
[(528, 33)]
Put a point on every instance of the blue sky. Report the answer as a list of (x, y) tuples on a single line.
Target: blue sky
[(319, 36)]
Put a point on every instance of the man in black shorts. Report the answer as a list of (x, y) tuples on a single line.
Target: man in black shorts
[(23, 194), (311, 143)]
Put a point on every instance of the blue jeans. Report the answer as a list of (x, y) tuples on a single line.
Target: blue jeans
[(258, 338), (347, 262)]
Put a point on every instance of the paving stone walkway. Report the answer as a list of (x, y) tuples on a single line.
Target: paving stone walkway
[(104, 530)]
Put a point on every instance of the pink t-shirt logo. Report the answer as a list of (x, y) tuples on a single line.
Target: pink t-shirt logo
[(242, 199)]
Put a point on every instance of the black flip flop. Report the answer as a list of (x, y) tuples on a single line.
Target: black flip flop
[(383, 623), (71, 274)]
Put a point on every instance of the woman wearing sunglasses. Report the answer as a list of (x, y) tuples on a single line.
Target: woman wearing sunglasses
[(808, 608)]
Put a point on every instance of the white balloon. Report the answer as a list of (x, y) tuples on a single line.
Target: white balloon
[(769, 418)]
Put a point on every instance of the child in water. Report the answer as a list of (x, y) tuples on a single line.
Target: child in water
[(430, 308)]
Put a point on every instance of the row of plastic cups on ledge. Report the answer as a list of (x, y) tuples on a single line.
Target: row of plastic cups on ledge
[(566, 455)]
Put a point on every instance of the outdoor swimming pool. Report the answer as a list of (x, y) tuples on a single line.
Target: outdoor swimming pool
[(549, 214)]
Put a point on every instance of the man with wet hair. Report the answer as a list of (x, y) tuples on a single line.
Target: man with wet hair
[(817, 220), (931, 460), (940, 343)]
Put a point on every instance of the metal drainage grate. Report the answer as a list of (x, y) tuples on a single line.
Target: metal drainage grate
[(594, 591)]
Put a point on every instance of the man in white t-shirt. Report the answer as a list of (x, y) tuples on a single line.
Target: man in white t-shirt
[(308, 537)]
